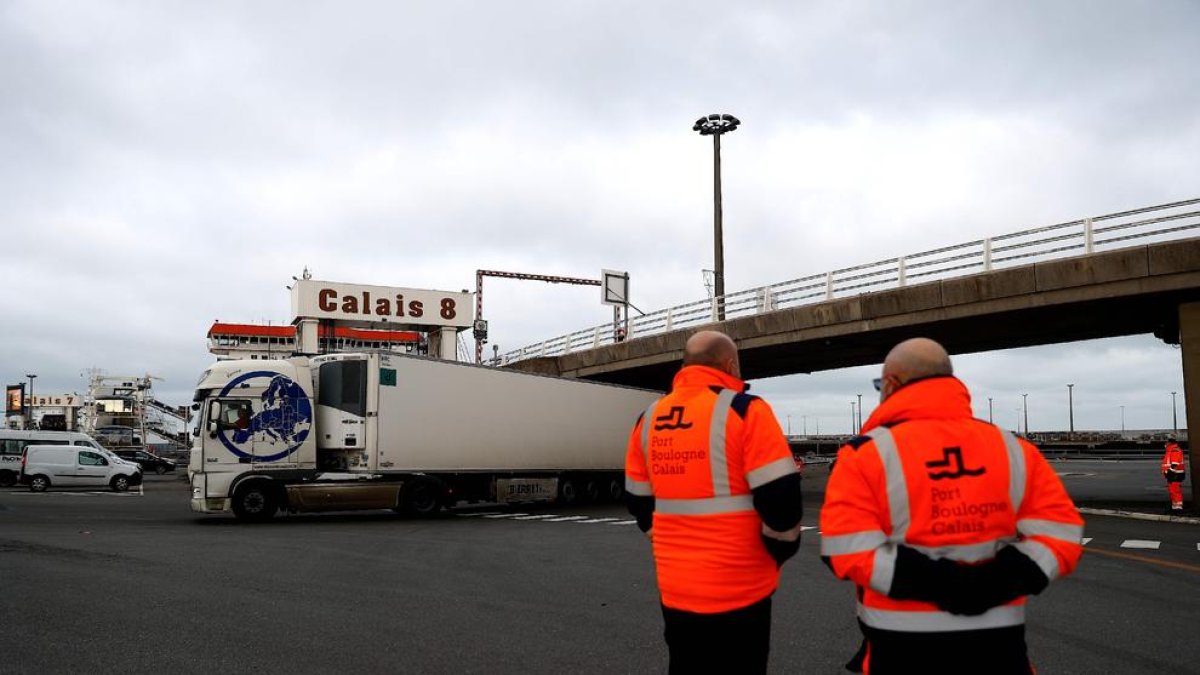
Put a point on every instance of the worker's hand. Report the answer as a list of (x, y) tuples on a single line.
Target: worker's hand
[(650, 534)]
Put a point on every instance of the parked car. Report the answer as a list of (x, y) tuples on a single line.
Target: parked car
[(147, 460), (76, 466)]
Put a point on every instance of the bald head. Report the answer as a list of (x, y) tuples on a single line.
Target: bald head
[(713, 349), (912, 360)]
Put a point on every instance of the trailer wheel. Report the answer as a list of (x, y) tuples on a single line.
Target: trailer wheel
[(255, 501), (422, 497), (568, 493), (8, 478), (591, 491), (616, 489)]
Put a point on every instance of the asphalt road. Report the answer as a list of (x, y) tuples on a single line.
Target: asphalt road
[(100, 582)]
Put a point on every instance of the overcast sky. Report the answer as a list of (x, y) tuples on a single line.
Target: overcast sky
[(164, 164)]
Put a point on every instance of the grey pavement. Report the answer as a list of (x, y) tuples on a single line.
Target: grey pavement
[(98, 582)]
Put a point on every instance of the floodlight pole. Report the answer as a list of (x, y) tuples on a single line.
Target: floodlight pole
[(715, 125)]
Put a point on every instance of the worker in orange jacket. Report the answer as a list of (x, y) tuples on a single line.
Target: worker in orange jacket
[(710, 478), (945, 524), (1173, 471)]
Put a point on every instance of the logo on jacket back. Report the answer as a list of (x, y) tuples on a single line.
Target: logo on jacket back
[(282, 424), (951, 460), (672, 420)]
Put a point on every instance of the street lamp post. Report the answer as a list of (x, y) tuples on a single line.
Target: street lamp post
[(859, 429), (29, 410), (1122, 420), (1025, 409), (804, 422), (789, 421), (1174, 414), (716, 125), (1071, 408), (990, 410)]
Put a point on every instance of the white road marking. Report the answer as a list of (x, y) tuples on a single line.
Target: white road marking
[(1141, 543), (624, 522), (564, 519), (549, 515), (806, 528), (598, 520), (478, 515), (1086, 540), (506, 515)]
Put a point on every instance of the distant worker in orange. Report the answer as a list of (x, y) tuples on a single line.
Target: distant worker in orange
[(1173, 470), (945, 524), (710, 478)]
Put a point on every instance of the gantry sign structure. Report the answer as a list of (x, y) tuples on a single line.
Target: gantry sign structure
[(481, 324)]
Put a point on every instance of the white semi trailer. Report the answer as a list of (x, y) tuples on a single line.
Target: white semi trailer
[(383, 430)]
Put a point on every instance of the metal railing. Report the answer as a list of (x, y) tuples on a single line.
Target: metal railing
[(1109, 232)]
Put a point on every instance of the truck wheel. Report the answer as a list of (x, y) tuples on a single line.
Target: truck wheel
[(568, 493), (38, 484), (119, 483), (255, 502), (422, 497), (616, 489), (8, 478)]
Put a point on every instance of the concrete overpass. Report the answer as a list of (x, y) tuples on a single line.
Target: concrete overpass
[(1153, 288)]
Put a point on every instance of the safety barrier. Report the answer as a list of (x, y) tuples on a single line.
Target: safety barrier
[(1087, 236)]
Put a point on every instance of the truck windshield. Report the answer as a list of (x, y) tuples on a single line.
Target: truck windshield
[(343, 385)]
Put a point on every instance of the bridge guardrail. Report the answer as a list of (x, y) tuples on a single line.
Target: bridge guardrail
[(1151, 224)]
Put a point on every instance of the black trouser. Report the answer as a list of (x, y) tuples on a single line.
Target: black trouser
[(993, 651), (737, 641)]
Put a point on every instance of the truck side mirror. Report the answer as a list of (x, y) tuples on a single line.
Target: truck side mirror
[(214, 414)]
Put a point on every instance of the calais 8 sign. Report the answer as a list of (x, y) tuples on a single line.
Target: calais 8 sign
[(355, 303)]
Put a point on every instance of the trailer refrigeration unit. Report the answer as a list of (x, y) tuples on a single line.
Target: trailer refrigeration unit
[(390, 431)]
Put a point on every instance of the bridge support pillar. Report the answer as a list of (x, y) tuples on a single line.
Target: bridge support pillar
[(1189, 338)]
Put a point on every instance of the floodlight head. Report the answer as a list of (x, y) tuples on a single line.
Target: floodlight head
[(716, 124)]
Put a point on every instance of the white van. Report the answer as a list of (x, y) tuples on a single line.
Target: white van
[(14, 441), (76, 466)]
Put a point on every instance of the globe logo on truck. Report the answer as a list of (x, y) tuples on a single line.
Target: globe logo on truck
[(284, 418)]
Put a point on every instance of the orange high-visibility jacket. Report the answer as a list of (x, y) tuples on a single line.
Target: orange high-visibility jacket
[(699, 451), (928, 476), (1172, 461)]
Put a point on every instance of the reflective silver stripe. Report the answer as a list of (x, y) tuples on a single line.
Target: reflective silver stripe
[(984, 550), (857, 542), (884, 568), (897, 486), (1040, 554), (1031, 527), (937, 622), (771, 471), (716, 443), (638, 487), (705, 506), (1016, 469), (647, 420)]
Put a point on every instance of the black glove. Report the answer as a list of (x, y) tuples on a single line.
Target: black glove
[(967, 589), (781, 550)]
